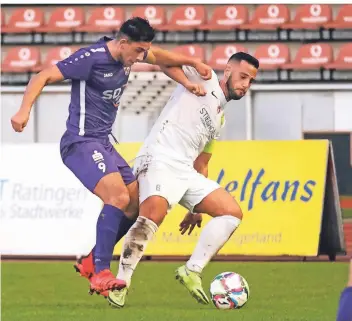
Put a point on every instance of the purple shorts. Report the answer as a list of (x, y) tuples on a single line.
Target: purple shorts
[(90, 159)]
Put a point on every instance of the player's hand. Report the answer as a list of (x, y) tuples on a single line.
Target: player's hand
[(203, 70), (19, 120), (189, 222), (196, 89)]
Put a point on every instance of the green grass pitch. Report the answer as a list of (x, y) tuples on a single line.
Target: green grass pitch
[(290, 291)]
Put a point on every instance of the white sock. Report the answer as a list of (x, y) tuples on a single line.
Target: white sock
[(213, 237), (134, 245)]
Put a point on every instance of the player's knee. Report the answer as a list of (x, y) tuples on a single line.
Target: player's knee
[(154, 208), (120, 200), (237, 213), (234, 211)]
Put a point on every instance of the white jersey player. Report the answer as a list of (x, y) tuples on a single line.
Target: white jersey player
[(172, 167), (164, 165)]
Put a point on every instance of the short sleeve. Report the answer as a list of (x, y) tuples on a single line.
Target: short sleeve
[(77, 66), (190, 71)]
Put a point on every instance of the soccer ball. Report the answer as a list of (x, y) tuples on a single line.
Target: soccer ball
[(229, 290)]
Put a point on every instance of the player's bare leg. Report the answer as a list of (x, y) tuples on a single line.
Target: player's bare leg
[(227, 215), (151, 214)]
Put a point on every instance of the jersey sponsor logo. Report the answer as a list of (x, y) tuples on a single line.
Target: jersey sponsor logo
[(207, 122), (114, 95)]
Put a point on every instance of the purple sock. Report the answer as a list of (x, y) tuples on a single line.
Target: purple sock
[(125, 225), (108, 226), (345, 306)]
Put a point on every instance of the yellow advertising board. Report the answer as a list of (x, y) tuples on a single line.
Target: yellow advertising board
[(280, 187)]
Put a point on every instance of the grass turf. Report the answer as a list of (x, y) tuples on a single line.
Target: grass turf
[(287, 291), (347, 213)]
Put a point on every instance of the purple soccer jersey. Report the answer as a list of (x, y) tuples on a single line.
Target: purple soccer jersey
[(98, 81)]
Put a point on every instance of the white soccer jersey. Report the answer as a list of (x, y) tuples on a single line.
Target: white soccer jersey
[(187, 122)]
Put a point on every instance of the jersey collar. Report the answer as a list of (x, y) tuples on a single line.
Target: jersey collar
[(221, 96), (104, 40)]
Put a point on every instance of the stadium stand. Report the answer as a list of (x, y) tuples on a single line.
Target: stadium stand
[(24, 20), (221, 55), (263, 30), (156, 15), (272, 56), (343, 19), (104, 20), (64, 19), (311, 16), (271, 16), (226, 18), (21, 59), (191, 50), (311, 56), (186, 18), (54, 55), (343, 59)]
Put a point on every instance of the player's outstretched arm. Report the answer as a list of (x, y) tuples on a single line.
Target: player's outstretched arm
[(35, 86), (161, 57), (177, 74)]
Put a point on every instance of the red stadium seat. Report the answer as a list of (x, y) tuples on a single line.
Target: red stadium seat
[(343, 19), (104, 19), (64, 19), (55, 55), (344, 58), (194, 51), (227, 17), (268, 16), (21, 59), (310, 16), (186, 18), (3, 22), (154, 14), (24, 20), (272, 56), (311, 56), (221, 55)]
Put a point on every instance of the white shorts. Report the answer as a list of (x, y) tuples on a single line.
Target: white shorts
[(176, 182)]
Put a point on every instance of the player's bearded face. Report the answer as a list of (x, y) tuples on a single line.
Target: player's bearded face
[(233, 93), (240, 80), (132, 52)]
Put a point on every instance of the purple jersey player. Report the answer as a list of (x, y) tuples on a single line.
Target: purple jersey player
[(344, 312), (99, 75)]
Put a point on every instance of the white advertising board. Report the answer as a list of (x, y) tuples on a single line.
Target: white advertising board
[(44, 209)]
